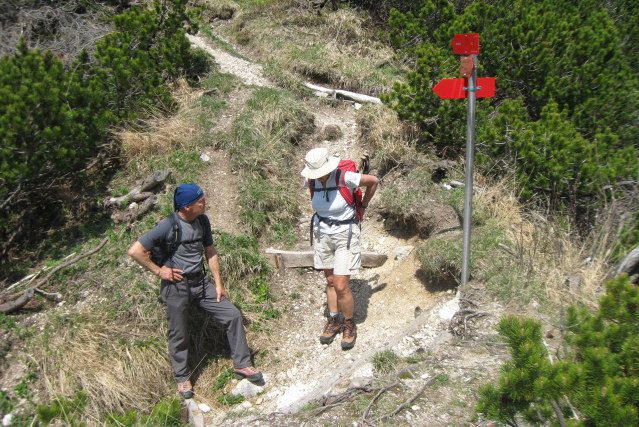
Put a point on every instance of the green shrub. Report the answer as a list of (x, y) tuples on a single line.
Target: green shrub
[(147, 49), (55, 119), (564, 116), (223, 378), (229, 399), (600, 375), (167, 412), (6, 405)]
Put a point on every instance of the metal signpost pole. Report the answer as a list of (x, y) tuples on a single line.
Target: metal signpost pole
[(470, 157), (467, 45)]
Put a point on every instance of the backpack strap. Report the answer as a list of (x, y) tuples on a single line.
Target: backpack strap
[(311, 186), (344, 190), (204, 223), (174, 239)]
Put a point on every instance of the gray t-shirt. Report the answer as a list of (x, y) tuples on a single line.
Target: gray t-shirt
[(189, 255)]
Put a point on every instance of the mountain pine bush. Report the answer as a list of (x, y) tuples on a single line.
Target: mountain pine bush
[(55, 118), (564, 119), (599, 376)]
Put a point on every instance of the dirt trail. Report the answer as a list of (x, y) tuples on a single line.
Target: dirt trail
[(388, 298)]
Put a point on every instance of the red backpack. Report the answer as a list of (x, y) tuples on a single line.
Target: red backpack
[(353, 197)]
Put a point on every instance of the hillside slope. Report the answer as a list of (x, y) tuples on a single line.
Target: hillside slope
[(424, 346)]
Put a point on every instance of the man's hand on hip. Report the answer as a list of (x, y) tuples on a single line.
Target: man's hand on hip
[(170, 274)]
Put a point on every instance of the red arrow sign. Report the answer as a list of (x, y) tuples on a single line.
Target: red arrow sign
[(455, 88), (465, 44)]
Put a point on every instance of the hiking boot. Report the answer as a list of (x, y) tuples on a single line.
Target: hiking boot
[(251, 374), (185, 389), (332, 327), (349, 334)]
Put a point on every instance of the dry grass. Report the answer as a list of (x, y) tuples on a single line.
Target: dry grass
[(538, 248), (337, 48), (118, 365), (386, 137), (162, 134), (218, 9)]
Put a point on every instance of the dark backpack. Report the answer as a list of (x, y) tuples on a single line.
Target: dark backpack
[(163, 252), (353, 197)]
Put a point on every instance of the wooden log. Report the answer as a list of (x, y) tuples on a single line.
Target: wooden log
[(143, 191), (18, 303), (630, 263), (135, 213), (156, 179), (296, 259)]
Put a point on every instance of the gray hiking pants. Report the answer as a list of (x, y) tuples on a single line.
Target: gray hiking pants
[(178, 296)]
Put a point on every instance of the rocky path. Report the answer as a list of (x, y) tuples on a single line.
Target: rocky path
[(391, 302)]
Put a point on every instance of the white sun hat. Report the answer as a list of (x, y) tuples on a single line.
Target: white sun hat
[(319, 163)]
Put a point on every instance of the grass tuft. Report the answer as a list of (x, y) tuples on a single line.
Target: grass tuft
[(386, 136), (229, 399), (385, 361)]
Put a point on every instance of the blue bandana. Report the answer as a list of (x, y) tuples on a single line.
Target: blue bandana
[(186, 194)]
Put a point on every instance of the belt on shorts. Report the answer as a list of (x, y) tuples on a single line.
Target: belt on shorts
[(333, 222)]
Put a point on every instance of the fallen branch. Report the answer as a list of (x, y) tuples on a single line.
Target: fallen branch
[(506, 248), (409, 401), (358, 97), (143, 191), (341, 398), (133, 214), (30, 292), (379, 393), (72, 261), (53, 296), (26, 279)]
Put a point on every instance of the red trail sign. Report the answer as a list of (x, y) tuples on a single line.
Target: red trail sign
[(465, 44), (457, 88)]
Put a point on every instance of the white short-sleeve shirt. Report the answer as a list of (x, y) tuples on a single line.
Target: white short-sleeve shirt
[(331, 204)]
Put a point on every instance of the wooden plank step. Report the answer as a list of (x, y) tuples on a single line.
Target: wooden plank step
[(297, 259)]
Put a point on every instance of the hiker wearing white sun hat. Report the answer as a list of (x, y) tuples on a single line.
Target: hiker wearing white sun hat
[(339, 208)]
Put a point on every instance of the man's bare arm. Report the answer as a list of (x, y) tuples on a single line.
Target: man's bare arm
[(214, 266), (141, 256), (370, 182)]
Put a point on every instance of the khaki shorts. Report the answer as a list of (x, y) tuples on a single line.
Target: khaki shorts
[(331, 252)]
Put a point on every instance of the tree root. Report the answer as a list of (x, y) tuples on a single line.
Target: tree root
[(370, 405), (409, 401)]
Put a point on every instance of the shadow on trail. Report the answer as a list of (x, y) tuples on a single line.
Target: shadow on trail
[(439, 281), (362, 291), (207, 342)]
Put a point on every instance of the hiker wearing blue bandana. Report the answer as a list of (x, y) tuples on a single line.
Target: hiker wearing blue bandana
[(175, 251), (339, 207)]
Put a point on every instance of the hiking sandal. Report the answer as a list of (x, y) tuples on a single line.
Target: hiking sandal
[(251, 374), (185, 389)]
